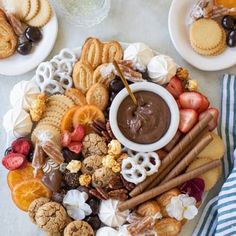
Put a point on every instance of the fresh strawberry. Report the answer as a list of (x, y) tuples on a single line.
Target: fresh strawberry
[(188, 118), (175, 87), (205, 104), (178, 104), (65, 139), (75, 147), (21, 146), (190, 100), (214, 122), (78, 133), (13, 161)]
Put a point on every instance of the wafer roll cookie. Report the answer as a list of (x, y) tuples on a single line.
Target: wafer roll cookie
[(135, 201), (188, 158), (179, 148)]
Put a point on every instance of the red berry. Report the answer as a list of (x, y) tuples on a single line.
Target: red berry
[(13, 161), (65, 139), (188, 118), (75, 147), (21, 146), (78, 133), (205, 104), (214, 122), (175, 87)]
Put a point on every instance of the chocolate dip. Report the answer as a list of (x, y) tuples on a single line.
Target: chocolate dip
[(147, 122)]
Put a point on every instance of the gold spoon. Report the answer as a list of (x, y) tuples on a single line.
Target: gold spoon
[(125, 82)]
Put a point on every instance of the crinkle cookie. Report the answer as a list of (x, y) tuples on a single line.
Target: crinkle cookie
[(91, 163), (78, 228), (101, 177), (35, 205), (51, 217), (93, 144)]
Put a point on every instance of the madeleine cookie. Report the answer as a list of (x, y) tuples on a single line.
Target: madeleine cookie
[(76, 96), (168, 226), (112, 51), (104, 74), (210, 177), (82, 76), (8, 39), (34, 9), (92, 52), (214, 150), (149, 208), (78, 228), (205, 34), (98, 95), (43, 16)]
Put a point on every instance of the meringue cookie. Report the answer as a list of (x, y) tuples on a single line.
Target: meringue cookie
[(75, 204), (106, 231), (110, 215), (161, 69), (17, 123), (140, 54), (23, 94)]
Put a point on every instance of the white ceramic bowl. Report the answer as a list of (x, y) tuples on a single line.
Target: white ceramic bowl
[(174, 122)]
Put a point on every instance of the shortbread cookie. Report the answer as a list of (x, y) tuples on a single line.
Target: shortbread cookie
[(168, 226), (34, 9), (92, 52), (210, 177), (76, 96), (98, 95), (112, 51), (20, 7), (43, 16), (104, 74), (51, 217), (34, 206), (78, 228), (82, 76), (205, 34), (8, 39)]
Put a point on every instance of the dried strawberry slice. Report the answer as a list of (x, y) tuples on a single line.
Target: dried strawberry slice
[(75, 147), (21, 146), (78, 133), (13, 161), (65, 139), (194, 188)]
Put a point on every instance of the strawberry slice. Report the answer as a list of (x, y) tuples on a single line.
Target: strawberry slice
[(214, 122), (22, 146), (188, 118), (175, 87), (75, 147), (78, 133), (65, 139), (13, 161)]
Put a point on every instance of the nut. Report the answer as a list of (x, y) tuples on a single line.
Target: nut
[(129, 186), (119, 194), (115, 182), (103, 193), (96, 194)]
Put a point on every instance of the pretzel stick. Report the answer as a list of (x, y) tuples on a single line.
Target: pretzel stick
[(133, 202), (189, 158), (172, 165), (179, 148)]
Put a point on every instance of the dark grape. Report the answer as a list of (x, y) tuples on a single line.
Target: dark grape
[(94, 204), (112, 96), (94, 221), (116, 85), (231, 39), (33, 34), (30, 156), (7, 151), (228, 22), (24, 48), (69, 155)]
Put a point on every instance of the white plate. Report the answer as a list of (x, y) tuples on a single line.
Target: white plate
[(179, 32), (19, 64)]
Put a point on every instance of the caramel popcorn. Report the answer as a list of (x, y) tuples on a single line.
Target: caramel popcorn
[(182, 73), (85, 180), (108, 161), (116, 168), (74, 166), (114, 147), (122, 157), (192, 85), (38, 107)]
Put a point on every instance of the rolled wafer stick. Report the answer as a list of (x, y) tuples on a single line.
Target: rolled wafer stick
[(188, 158), (135, 201), (179, 148), (172, 165)]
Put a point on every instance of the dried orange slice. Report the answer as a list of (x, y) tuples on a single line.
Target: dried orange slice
[(226, 3), (66, 122), (15, 177), (86, 114), (27, 191)]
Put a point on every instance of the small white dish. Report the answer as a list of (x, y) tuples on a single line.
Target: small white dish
[(170, 101), (179, 33), (18, 64)]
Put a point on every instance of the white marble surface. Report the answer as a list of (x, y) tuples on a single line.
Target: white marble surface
[(128, 21)]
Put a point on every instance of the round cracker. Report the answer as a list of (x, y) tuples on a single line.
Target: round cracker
[(34, 9), (43, 16)]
